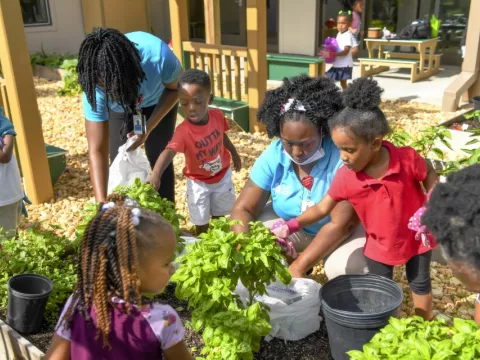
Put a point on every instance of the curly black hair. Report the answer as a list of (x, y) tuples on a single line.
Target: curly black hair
[(109, 58), (320, 97), (195, 76), (453, 215), (362, 115)]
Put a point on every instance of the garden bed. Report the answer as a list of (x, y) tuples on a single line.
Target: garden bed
[(314, 347), (63, 126)]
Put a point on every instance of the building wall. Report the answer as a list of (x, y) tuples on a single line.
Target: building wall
[(66, 32), (298, 27), (159, 12)]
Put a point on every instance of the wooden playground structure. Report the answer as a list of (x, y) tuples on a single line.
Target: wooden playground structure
[(243, 70), (239, 74)]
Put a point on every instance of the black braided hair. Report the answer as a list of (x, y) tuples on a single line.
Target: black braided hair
[(320, 96), (362, 115), (109, 58), (453, 216), (195, 76)]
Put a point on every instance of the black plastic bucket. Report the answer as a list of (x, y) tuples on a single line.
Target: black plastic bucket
[(27, 297), (476, 103), (356, 307)]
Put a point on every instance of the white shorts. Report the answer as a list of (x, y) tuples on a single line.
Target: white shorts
[(206, 200)]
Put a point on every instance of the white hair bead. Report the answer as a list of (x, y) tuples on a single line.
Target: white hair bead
[(136, 212), (136, 220)]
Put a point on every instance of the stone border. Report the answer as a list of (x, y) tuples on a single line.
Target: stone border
[(14, 346), (48, 73)]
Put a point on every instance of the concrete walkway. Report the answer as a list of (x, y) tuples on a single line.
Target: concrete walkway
[(396, 84)]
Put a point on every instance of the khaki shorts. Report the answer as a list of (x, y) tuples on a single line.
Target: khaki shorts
[(206, 200), (347, 258), (10, 216)]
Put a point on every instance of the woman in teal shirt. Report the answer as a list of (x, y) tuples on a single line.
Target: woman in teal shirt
[(296, 170), (119, 75)]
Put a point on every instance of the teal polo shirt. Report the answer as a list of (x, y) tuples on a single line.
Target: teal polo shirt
[(273, 171)]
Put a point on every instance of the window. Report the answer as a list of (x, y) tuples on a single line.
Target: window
[(36, 12)]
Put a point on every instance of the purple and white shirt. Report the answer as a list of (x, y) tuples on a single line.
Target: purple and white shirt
[(144, 334)]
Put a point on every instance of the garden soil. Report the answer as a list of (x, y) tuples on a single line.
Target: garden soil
[(63, 126)]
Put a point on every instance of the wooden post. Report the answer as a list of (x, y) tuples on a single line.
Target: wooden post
[(468, 80), (93, 15), (22, 99), (179, 26), (257, 58), (213, 30)]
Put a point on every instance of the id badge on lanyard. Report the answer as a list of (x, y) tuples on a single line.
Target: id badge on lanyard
[(307, 204), (139, 120)]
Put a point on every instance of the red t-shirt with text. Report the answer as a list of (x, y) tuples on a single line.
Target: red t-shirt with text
[(206, 158), (386, 205)]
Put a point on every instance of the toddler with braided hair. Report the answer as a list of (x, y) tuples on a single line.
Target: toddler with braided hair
[(125, 252)]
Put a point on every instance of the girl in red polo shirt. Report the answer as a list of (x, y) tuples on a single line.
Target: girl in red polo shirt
[(384, 185)]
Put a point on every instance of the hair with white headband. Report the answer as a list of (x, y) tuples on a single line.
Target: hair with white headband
[(300, 98)]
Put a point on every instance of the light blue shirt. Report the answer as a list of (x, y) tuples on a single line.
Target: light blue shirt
[(160, 65), (273, 172)]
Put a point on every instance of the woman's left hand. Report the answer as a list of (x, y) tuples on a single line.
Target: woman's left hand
[(138, 141)]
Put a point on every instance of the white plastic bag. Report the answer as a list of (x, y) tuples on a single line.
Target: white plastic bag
[(293, 309), (127, 166)]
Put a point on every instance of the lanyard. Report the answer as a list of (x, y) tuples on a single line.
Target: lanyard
[(307, 182), (139, 104)]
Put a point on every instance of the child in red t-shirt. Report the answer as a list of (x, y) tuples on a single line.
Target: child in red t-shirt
[(384, 185), (203, 140)]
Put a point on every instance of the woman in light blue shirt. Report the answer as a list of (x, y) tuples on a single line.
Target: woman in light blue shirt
[(296, 170), (121, 76)]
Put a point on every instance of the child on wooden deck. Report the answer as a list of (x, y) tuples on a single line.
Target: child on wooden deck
[(342, 66), (384, 185)]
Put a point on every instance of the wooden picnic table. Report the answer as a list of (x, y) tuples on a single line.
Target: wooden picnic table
[(416, 61)]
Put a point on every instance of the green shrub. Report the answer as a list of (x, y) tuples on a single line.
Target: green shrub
[(71, 87), (39, 252), (416, 339)]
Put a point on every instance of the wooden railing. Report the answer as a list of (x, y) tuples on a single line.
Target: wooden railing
[(224, 66)]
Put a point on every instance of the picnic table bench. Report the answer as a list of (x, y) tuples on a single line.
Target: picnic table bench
[(422, 64)]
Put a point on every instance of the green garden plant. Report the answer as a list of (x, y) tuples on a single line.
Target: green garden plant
[(71, 86), (425, 143), (147, 198), (53, 60), (209, 273), (40, 252), (415, 339)]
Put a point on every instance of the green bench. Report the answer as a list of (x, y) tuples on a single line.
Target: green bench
[(282, 65), (377, 66), (234, 109), (57, 162)]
